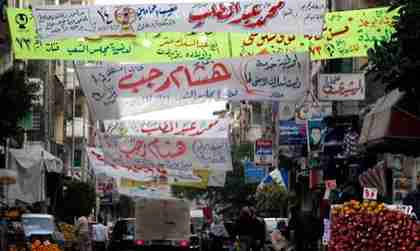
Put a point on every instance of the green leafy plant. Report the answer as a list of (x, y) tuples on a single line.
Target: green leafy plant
[(396, 63), (271, 198), (16, 97)]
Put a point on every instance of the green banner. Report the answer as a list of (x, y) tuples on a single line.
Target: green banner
[(268, 43), (146, 48), (352, 33), (346, 34)]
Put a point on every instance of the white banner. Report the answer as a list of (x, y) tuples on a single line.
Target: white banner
[(169, 128), (147, 175), (280, 16), (180, 155), (268, 77), (109, 107), (217, 178), (340, 87), (138, 172), (158, 188)]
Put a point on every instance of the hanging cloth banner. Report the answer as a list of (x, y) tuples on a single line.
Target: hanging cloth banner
[(353, 33), (169, 128), (139, 172), (108, 107), (282, 16), (145, 47), (350, 39), (146, 174), (347, 34), (276, 77), (174, 154)]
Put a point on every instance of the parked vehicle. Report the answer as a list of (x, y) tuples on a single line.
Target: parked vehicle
[(122, 237), (41, 227)]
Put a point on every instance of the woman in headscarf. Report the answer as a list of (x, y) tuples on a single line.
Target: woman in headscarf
[(83, 234), (279, 237)]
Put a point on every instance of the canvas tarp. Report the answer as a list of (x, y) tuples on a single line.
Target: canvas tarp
[(376, 123), (28, 163), (33, 155)]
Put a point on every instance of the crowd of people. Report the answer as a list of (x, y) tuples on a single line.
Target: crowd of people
[(249, 232), (300, 233), (91, 237)]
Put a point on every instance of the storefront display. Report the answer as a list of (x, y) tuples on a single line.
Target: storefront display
[(372, 226)]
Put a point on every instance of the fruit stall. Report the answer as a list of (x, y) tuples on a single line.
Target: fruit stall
[(373, 226), (69, 236), (15, 234)]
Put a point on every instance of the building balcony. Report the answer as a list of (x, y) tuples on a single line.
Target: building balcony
[(81, 128)]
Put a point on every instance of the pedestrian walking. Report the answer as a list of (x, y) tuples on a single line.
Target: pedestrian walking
[(218, 234), (83, 234), (100, 236), (244, 229)]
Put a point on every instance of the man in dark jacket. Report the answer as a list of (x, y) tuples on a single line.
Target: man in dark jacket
[(244, 229), (307, 229), (259, 231)]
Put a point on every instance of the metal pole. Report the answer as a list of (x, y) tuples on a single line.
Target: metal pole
[(42, 176), (6, 158), (73, 139), (83, 167)]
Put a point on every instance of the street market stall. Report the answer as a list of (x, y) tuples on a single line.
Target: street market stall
[(372, 226)]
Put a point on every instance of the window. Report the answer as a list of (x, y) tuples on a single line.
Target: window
[(341, 65), (32, 224), (257, 114), (77, 158), (79, 111)]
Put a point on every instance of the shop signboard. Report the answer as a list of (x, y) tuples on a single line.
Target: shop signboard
[(263, 152), (253, 173)]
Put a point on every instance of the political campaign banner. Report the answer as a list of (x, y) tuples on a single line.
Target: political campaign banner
[(135, 172), (292, 133), (147, 174), (346, 34), (178, 155), (317, 129), (145, 47), (268, 77), (158, 188), (342, 86), (282, 16), (201, 181), (352, 33), (217, 128)]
